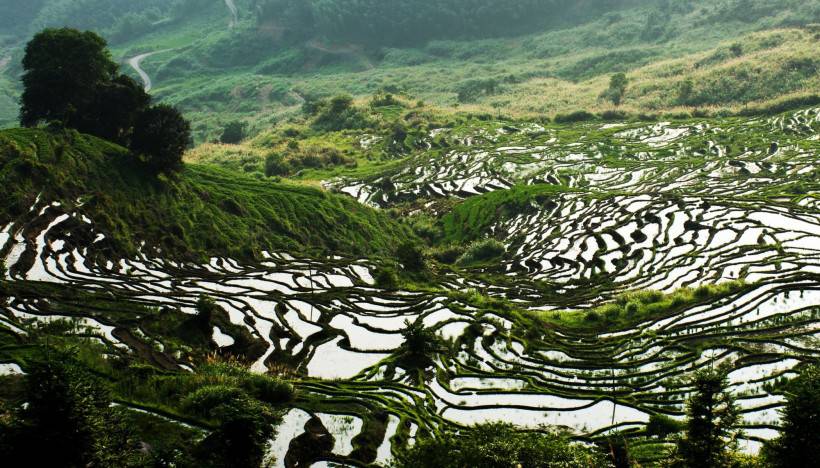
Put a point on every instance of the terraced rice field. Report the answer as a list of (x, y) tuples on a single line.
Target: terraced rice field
[(643, 206)]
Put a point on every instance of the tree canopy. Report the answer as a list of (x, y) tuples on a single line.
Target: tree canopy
[(161, 135), (64, 69)]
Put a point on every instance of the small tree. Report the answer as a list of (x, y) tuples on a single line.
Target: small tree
[(245, 426), (617, 89), (710, 437), (800, 438), (233, 133), (419, 341), (161, 135), (206, 308)]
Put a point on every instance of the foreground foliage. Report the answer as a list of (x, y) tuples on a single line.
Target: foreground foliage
[(800, 439), (499, 445)]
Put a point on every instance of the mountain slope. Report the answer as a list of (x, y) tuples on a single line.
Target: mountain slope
[(204, 210)]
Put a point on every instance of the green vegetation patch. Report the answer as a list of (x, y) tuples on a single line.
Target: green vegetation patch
[(635, 307), (472, 218), (203, 210)]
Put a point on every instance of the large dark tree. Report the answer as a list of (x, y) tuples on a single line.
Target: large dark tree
[(115, 108), (63, 69), (800, 438), (160, 137)]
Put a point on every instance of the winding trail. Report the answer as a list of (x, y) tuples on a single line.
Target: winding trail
[(234, 13), (134, 62)]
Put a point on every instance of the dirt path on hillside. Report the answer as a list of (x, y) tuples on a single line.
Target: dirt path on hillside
[(234, 13), (135, 62)]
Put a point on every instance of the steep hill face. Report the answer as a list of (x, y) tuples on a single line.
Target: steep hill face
[(108, 203)]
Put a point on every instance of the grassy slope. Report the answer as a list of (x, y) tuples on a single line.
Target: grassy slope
[(204, 210)]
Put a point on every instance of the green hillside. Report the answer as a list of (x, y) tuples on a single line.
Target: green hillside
[(203, 210), (523, 57)]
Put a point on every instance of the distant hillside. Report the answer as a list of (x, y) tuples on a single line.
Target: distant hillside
[(205, 211), (258, 60)]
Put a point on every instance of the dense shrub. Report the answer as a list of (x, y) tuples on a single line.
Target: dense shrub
[(386, 278), (747, 83), (574, 117), (337, 114), (448, 255), (662, 426), (410, 256), (268, 389), (275, 165), (471, 90), (482, 251), (614, 115), (309, 157), (233, 133), (202, 401)]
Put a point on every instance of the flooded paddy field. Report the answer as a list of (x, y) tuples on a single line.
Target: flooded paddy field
[(657, 207)]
